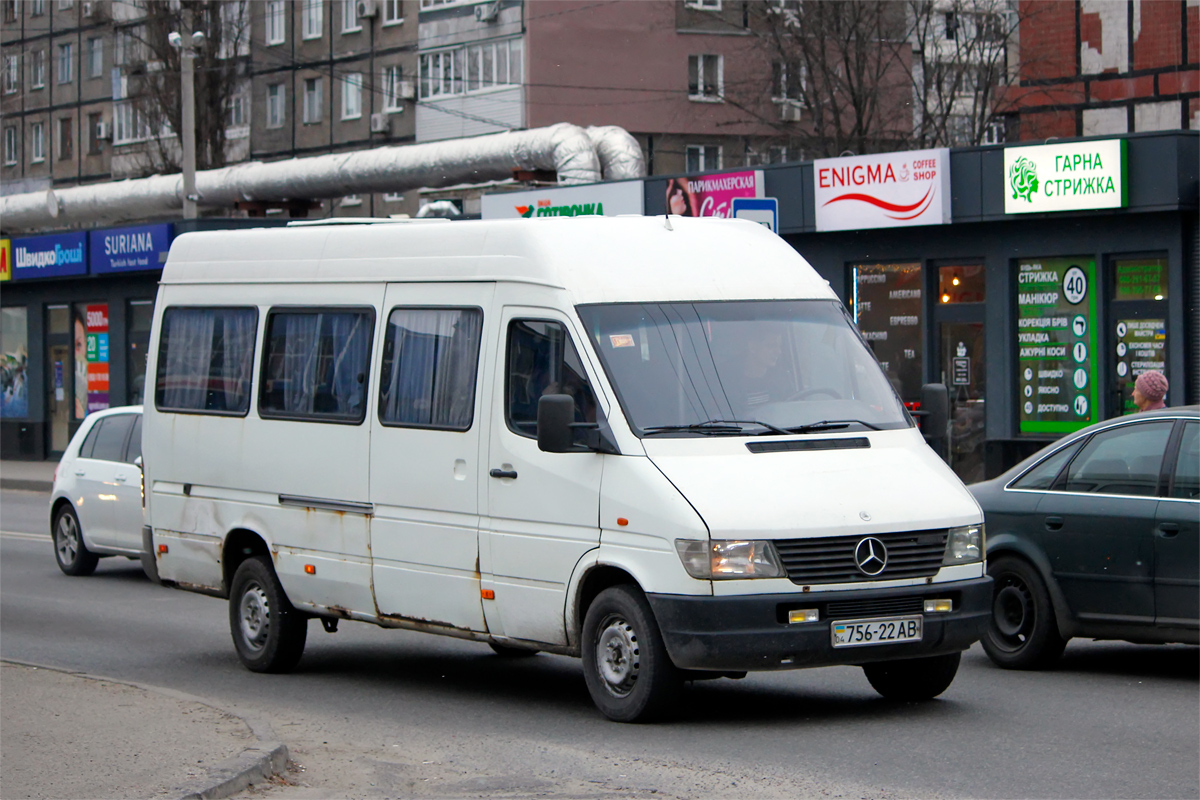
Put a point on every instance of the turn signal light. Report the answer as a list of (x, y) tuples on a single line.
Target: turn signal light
[(162, 548), (487, 594), (803, 615), (939, 606), (310, 569)]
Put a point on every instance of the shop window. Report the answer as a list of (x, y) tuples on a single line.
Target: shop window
[(14, 358), (961, 284), (889, 311), (90, 329), (1139, 322), (1140, 279), (139, 316)]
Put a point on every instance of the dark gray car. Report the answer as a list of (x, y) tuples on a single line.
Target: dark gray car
[(1097, 536)]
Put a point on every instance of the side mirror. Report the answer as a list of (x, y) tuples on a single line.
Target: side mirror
[(555, 414), (137, 462), (935, 413)]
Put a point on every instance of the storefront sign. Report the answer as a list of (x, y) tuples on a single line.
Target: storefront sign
[(130, 249), (1064, 177), (50, 256), (1056, 344), (882, 191), (1141, 347), (601, 200), (5, 259), (712, 195), (889, 312), (97, 357)]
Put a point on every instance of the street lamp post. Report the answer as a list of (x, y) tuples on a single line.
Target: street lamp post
[(187, 60)]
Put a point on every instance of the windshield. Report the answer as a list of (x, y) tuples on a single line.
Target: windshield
[(741, 367)]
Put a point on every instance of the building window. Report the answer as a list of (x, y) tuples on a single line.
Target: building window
[(706, 77), (37, 143), (312, 19), (312, 100), (12, 71), (66, 139), (702, 157), (95, 57), (392, 101), (351, 201), (787, 82), (66, 58), (393, 197), (65, 4), (707, 5), (10, 145), (350, 17), (239, 108), (352, 86), (471, 69), (94, 123), (10, 10), (276, 21), (393, 12), (37, 8), (129, 124), (37, 69), (275, 105), (951, 25)]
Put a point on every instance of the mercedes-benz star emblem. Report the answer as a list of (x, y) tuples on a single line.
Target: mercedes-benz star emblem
[(871, 556)]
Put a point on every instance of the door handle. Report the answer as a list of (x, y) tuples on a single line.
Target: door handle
[(80, 473), (503, 473), (121, 478), (1054, 523), (1168, 530)]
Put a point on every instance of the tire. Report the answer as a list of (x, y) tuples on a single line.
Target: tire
[(913, 679), (625, 662), (506, 651), (70, 552), (1022, 632), (267, 631)]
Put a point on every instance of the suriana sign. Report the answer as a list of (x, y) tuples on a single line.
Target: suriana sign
[(882, 191), (1065, 177), (605, 199)]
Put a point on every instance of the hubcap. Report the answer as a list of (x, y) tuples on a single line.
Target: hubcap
[(255, 615), (68, 539), (1012, 611), (617, 656)]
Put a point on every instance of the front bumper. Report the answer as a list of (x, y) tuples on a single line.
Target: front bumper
[(751, 632)]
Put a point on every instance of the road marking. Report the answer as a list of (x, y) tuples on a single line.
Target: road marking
[(31, 537)]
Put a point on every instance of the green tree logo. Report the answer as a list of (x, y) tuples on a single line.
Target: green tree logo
[(1022, 177)]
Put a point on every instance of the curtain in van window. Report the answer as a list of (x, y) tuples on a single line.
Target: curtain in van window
[(430, 360), (299, 361), (238, 360), (188, 349), (351, 343)]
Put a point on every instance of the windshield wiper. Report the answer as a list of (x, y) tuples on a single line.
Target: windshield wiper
[(831, 424), (715, 426)]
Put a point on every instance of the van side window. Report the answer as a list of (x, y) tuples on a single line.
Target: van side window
[(430, 357), (205, 360), (542, 360), (315, 364)]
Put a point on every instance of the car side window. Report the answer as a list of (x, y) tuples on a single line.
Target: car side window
[(134, 451), (110, 441), (85, 449), (543, 360), (1042, 476), (1125, 460), (1186, 483)]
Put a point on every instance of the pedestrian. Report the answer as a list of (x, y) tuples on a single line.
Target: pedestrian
[(1149, 390)]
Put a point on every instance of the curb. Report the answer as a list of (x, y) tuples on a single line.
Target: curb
[(255, 764), (26, 485)]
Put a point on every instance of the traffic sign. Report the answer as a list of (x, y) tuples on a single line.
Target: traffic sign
[(763, 210)]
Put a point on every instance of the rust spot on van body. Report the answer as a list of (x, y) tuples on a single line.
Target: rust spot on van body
[(339, 611)]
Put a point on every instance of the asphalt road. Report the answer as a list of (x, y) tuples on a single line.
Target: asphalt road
[(377, 713)]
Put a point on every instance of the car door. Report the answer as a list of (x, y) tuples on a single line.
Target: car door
[(425, 455), (1098, 524), (128, 508), (1177, 537), (97, 479), (543, 509)]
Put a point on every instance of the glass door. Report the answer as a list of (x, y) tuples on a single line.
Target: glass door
[(60, 386), (959, 314), (1138, 328)]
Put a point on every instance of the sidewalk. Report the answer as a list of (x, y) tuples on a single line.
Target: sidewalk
[(67, 735), (35, 476)]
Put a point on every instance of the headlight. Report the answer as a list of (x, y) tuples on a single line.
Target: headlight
[(965, 545), (723, 559)]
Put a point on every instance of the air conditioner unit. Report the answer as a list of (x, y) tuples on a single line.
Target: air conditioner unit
[(789, 112), (380, 123), (102, 131), (407, 90), (487, 12), (366, 8)]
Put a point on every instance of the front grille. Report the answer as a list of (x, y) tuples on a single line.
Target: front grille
[(882, 607), (913, 554)]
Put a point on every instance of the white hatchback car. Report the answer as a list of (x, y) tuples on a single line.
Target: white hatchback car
[(96, 506)]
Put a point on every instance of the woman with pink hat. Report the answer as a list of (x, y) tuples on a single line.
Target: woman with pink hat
[(1149, 391)]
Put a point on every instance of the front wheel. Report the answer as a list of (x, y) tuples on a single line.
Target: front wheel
[(913, 678), (625, 662), (268, 632), (70, 552), (1022, 633)]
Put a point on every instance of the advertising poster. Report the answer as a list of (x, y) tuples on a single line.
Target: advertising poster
[(14, 359), (1141, 347), (888, 310), (5, 259), (890, 190), (129, 249), (1065, 177), (601, 199), (97, 357), (712, 195), (1056, 341)]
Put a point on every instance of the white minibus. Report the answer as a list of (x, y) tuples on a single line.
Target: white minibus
[(658, 444)]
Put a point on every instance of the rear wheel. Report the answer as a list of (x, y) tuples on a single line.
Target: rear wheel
[(268, 632), (913, 678), (625, 662), (1022, 633), (69, 550)]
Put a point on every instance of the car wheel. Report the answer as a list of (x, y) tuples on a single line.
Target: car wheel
[(70, 552), (913, 678), (268, 632), (505, 651), (625, 662), (1022, 633)]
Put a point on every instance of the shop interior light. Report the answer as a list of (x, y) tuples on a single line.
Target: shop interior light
[(955, 281), (945, 298)]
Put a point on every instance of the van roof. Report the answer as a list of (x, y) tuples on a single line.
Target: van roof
[(596, 259)]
